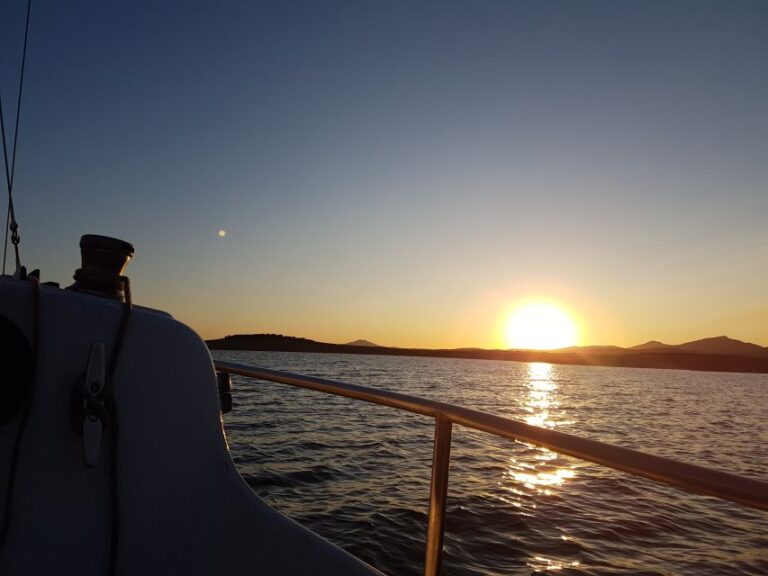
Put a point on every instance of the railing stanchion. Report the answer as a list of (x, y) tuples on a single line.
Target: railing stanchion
[(438, 494)]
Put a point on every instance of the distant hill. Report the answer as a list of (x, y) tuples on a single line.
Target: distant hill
[(593, 349), (719, 354), (361, 342), (721, 345), (280, 343), (652, 345), (724, 345)]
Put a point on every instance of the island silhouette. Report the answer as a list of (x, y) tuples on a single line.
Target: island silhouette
[(718, 354)]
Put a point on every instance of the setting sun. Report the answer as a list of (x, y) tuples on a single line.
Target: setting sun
[(539, 326)]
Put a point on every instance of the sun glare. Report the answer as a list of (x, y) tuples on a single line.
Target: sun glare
[(539, 326)]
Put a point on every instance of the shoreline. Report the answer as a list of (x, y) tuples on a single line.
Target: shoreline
[(620, 359)]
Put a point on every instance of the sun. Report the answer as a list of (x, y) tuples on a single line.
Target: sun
[(539, 326)]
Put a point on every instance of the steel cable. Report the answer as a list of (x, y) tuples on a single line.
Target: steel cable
[(11, 225)]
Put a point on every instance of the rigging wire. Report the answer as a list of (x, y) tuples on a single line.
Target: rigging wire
[(10, 171)]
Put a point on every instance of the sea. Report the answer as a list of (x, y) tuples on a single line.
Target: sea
[(358, 474)]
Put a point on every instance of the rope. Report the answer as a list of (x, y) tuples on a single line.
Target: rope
[(10, 172), (113, 444), (8, 184)]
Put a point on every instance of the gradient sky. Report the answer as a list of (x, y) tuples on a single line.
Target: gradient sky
[(405, 171)]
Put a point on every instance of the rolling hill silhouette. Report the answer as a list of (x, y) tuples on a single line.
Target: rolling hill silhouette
[(719, 354), (715, 345)]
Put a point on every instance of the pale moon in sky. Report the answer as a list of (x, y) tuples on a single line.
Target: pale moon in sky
[(222, 233)]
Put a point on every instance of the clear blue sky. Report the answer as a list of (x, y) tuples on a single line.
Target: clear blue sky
[(405, 172)]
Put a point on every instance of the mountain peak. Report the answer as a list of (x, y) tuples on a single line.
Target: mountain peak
[(723, 345), (361, 342), (650, 345)]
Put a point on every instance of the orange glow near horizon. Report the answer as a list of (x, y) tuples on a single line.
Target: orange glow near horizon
[(539, 325)]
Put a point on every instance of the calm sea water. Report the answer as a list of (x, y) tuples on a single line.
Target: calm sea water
[(358, 474)]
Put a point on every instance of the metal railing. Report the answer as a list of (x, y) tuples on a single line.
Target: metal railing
[(689, 477)]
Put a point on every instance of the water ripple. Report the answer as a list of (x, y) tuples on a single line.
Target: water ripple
[(359, 474)]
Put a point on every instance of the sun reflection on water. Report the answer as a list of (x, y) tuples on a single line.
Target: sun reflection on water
[(540, 470), (539, 563), (541, 395)]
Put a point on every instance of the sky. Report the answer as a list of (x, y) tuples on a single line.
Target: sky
[(404, 172)]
